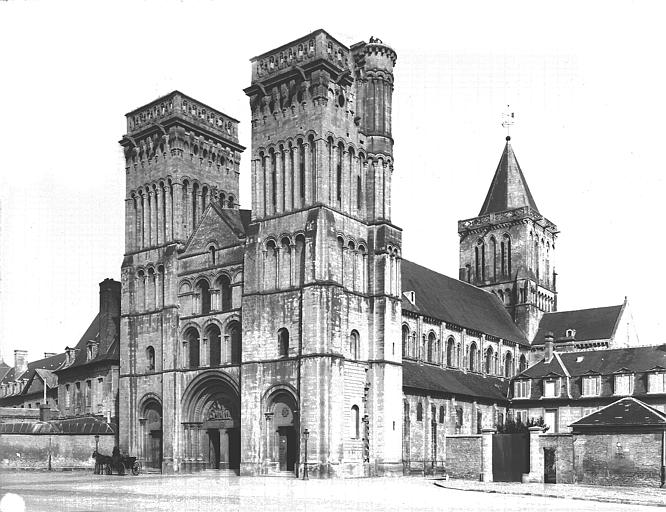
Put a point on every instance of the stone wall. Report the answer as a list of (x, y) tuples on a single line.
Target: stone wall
[(31, 451), (464, 456), (618, 459), (563, 446)]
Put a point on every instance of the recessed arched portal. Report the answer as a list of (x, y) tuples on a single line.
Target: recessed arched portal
[(150, 423), (282, 429), (211, 422)]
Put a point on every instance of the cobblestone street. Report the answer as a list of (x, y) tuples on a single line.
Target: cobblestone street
[(80, 491)]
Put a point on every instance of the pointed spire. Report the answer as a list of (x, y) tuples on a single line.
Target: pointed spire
[(509, 189)]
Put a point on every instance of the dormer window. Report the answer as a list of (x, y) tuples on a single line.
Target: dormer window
[(551, 388), (624, 384), (657, 382), (521, 389), (571, 333), (70, 354), (91, 350), (591, 385)]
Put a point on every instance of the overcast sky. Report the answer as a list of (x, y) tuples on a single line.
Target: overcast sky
[(585, 79)]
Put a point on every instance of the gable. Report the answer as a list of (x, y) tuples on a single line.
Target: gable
[(588, 324), (216, 226)]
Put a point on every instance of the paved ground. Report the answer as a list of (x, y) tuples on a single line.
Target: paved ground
[(209, 491), (654, 497)]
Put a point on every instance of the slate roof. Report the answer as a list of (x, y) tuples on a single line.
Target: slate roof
[(238, 220), (453, 382), (48, 363), (626, 412), (508, 189), (589, 324), (450, 300), (604, 362)]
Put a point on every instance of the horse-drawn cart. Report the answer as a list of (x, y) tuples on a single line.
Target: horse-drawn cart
[(121, 464)]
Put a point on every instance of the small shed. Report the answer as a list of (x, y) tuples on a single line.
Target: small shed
[(620, 444)]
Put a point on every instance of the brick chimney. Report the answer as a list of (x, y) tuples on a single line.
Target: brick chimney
[(549, 346), (109, 313), (20, 362)]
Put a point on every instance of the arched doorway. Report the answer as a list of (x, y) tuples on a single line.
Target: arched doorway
[(151, 435), (282, 430), (211, 426)]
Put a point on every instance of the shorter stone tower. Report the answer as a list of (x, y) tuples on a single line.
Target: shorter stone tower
[(508, 248)]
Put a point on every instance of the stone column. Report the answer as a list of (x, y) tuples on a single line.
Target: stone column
[(270, 205), (168, 209), (130, 222), (296, 170), (159, 216), (289, 179), (257, 202), (139, 221), (279, 181), (177, 210), (487, 454), (268, 436), (308, 174), (536, 457), (153, 217)]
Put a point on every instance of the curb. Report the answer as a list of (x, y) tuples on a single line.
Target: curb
[(600, 499)]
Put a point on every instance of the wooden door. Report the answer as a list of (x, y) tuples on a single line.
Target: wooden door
[(282, 448)]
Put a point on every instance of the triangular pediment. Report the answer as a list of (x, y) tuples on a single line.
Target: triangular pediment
[(217, 226)]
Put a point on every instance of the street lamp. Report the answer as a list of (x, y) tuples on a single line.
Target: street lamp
[(306, 434)]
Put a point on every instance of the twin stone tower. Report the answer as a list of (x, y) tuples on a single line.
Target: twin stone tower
[(246, 333)]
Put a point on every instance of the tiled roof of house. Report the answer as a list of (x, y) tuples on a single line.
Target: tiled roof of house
[(48, 363), (453, 382), (589, 324), (81, 356), (508, 189), (626, 412), (605, 363), (450, 300)]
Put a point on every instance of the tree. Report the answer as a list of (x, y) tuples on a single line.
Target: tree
[(518, 427)]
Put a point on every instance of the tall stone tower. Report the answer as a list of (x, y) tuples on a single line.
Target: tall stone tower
[(180, 155), (321, 303), (509, 247)]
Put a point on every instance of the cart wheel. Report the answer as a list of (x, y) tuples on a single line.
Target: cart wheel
[(136, 468), (108, 470)]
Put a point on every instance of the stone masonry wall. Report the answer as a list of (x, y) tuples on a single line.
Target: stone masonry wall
[(618, 459), (563, 445), (67, 451), (464, 456)]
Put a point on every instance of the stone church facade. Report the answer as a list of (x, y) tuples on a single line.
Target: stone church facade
[(247, 335), (239, 330)]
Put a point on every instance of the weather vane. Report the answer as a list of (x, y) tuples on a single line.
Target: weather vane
[(507, 121)]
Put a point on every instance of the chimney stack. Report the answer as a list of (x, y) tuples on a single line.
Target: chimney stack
[(549, 342), (20, 362), (109, 314)]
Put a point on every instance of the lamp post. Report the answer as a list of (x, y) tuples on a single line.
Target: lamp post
[(98, 469), (306, 434)]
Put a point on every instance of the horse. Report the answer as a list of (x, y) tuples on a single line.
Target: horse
[(101, 462)]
